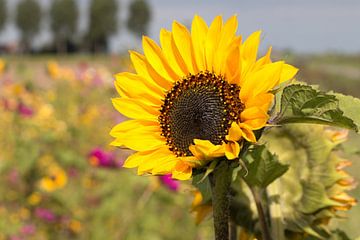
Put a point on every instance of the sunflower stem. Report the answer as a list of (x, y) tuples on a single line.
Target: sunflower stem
[(262, 218), (220, 180)]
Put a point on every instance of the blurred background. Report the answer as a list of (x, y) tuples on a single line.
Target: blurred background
[(59, 179)]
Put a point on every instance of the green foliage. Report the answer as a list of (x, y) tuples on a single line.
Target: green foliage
[(64, 15), (262, 167), (103, 22), (304, 104), (139, 17), (350, 106), (28, 17), (3, 12), (202, 183)]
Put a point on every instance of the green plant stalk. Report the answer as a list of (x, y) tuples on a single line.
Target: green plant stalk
[(220, 180), (262, 218)]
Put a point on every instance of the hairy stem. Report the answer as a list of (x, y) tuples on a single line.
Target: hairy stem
[(220, 181), (262, 218)]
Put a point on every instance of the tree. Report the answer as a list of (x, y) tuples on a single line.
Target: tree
[(2, 14), (103, 23), (139, 17), (28, 19), (64, 16)]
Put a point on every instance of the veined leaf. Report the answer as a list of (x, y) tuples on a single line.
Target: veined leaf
[(304, 104), (350, 106), (263, 167)]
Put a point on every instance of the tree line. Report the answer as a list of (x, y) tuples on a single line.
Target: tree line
[(64, 16)]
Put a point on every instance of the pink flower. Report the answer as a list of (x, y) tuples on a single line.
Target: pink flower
[(99, 157), (170, 183), (24, 110), (45, 214), (28, 229)]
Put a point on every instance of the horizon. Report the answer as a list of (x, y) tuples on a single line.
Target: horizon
[(302, 26)]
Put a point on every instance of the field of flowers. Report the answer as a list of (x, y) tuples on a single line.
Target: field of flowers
[(60, 179)]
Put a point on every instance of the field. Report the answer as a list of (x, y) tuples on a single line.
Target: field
[(60, 179)]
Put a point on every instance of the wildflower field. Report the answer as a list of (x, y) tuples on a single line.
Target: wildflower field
[(60, 178)]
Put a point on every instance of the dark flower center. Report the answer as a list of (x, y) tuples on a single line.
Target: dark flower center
[(200, 106)]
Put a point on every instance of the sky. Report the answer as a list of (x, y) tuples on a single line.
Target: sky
[(301, 25)]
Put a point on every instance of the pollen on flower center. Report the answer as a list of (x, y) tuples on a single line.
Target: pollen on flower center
[(200, 106)]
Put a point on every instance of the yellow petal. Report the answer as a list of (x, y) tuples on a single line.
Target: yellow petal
[(140, 139), (288, 72), (134, 86), (144, 69), (248, 53), (193, 161), (262, 101), (248, 134), (171, 53), (135, 159), (233, 63), (250, 47), (165, 165), (205, 150), (232, 150), (126, 126), (133, 108), (199, 31), (158, 160), (183, 43), (261, 81), (182, 171), (212, 41), (226, 37), (264, 60), (157, 60), (235, 132), (254, 117)]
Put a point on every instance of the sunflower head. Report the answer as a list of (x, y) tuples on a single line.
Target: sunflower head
[(195, 97), (317, 177)]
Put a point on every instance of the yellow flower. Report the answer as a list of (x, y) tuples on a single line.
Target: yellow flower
[(34, 199), (200, 209), (2, 66), (75, 226), (56, 179), (53, 69), (196, 97)]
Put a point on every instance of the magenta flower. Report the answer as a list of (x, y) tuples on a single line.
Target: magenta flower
[(99, 157), (170, 183), (28, 229), (24, 110), (45, 214)]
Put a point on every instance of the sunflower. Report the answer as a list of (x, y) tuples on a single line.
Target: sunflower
[(196, 97)]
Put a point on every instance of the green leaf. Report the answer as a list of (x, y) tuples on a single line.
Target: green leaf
[(263, 167), (350, 106), (203, 185), (304, 104)]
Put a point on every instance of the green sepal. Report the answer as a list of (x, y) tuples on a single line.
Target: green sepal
[(210, 169)]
